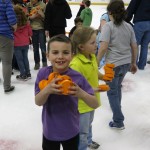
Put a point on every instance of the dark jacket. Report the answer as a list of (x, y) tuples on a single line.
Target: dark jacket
[(140, 9), (56, 14)]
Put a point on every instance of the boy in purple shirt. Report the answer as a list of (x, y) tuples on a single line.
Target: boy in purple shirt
[(60, 116)]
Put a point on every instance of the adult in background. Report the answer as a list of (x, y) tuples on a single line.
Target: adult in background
[(7, 26), (140, 9), (56, 13)]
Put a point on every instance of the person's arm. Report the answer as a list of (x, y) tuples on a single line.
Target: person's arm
[(134, 49), (131, 9), (90, 100), (102, 50), (14, 27)]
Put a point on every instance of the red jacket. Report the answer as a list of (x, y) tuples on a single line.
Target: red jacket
[(22, 35)]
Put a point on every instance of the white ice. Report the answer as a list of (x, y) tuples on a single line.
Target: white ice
[(20, 118)]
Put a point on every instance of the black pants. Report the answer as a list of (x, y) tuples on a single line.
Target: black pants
[(71, 144)]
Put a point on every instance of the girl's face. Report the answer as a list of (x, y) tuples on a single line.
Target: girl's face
[(60, 55), (89, 47)]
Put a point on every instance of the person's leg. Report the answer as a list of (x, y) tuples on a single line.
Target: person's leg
[(91, 144), (90, 128), (114, 94), (6, 54), (144, 50), (142, 33), (35, 42), (42, 41), (71, 144), (50, 145), (18, 51), (84, 124), (25, 59)]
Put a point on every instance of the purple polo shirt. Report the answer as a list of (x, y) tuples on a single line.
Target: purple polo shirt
[(60, 116)]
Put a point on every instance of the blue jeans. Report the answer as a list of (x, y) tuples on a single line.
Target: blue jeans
[(115, 94), (39, 39), (85, 139), (142, 33), (21, 53)]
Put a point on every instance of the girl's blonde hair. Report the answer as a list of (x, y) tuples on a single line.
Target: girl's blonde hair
[(20, 15), (80, 36)]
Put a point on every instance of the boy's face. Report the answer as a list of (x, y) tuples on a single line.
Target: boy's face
[(60, 55)]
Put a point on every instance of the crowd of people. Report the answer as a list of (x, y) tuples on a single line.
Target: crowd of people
[(67, 118)]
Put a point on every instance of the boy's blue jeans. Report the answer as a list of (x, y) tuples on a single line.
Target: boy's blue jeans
[(85, 139), (142, 33), (115, 94)]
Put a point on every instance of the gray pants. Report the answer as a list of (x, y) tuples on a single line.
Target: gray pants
[(6, 54)]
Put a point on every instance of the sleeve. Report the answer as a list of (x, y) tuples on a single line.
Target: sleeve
[(105, 33), (40, 76), (105, 17), (68, 13), (47, 16), (131, 9), (82, 14), (11, 16), (87, 87)]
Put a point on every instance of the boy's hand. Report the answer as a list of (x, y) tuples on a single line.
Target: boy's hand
[(75, 90), (53, 87)]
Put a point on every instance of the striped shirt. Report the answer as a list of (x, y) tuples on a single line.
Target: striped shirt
[(7, 18)]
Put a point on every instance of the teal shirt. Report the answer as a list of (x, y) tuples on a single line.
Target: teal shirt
[(89, 69)]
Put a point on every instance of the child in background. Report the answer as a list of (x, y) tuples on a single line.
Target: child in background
[(78, 23), (21, 43), (118, 44), (81, 8), (60, 116), (84, 61), (86, 14)]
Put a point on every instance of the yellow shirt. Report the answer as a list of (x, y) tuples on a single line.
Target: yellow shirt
[(89, 69)]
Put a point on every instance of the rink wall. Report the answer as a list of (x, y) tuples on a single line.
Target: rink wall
[(95, 2)]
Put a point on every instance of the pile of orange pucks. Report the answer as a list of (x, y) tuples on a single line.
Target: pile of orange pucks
[(65, 81), (108, 76)]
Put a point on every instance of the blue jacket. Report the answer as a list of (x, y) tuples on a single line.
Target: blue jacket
[(140, 9), (7, 18)]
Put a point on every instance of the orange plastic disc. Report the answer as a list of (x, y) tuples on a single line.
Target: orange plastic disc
[(43, 84)]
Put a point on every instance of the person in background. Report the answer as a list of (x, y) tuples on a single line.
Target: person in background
[(81, 8), (140, 9), (118, 44), (8, 24), (36, 15), (60, 116), (21, 44), (56, 13), (84, 61), (86, 14), (78, 23)]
